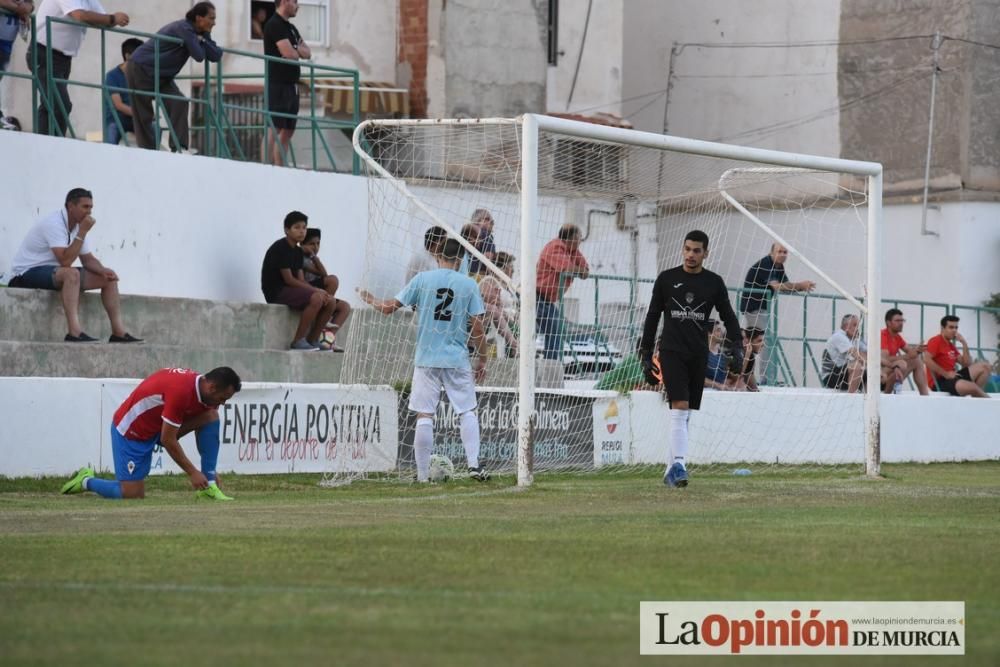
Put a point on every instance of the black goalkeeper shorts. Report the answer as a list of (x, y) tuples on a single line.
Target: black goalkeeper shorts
[(684, 377)]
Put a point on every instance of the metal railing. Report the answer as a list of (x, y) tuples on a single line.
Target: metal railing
[(780, 369), (225, 128)]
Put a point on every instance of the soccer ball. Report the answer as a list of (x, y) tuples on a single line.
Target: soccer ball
[(441, 468), (327, 338)]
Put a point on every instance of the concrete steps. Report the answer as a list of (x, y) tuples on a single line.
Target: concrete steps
[(252, 338), (104, 360), (37, 315)]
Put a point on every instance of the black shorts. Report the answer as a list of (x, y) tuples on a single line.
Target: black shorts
[(837, 379), (684, 377), (944, 384), (840, 379), (283, 98)]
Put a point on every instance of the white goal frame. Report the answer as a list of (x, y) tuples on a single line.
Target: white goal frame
[(532, 124)]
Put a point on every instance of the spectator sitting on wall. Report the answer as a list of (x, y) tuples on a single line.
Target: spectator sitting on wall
[(499, 303), (899, 359), (45, 261), (485, 244), (13, 15), (942, 356), (66, 42), (717, 371), (720, 374), (434, 237), (844, 357), (195, 33), (317, 276), (120, 107), (282, 281), (470, 232), (753, 344)]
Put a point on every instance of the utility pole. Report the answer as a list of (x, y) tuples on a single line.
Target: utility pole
[(936, 47)]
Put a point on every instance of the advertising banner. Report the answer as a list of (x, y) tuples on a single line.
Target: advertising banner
[(273, 428), (566, 430)]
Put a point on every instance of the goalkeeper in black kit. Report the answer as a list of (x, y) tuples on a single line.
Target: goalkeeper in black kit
[(685, 295)]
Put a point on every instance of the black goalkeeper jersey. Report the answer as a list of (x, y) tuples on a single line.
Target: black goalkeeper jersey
[(686, 300)]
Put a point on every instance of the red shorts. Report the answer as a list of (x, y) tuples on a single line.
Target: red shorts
[(296, 298)]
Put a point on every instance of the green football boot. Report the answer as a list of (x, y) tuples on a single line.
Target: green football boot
[(75, 485), (212, 492)]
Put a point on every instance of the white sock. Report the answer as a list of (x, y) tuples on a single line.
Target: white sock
[(679, 436), (470, 437), (423, 443)]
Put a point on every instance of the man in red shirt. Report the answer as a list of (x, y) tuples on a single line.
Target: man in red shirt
[(165, 407), (899, 360), (560, 259), (941, 357)]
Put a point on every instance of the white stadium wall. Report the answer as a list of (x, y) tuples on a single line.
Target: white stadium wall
[(179, 225), (276, 428)]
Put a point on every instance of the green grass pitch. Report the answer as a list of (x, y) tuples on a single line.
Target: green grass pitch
[(477, 574)]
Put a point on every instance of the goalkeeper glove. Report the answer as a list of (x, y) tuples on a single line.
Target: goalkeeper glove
[(735, 354), (650, 369)]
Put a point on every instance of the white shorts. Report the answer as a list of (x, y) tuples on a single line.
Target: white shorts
[(458, 383)]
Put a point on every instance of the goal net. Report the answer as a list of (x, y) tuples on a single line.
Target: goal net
[(529, 197)]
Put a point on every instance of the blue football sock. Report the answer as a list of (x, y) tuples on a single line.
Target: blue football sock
[(207, 438), (108, 488)]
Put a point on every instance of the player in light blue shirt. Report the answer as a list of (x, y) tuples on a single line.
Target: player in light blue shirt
[(445, 299), (449, 316)]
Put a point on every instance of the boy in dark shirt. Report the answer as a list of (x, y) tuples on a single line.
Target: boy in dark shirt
[(282, 281), (685, 296)]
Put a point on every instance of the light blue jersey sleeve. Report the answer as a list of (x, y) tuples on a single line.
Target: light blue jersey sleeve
[(410, 293), (445, 300)]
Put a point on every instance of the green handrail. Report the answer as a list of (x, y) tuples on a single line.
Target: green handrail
[(217, 127), (779, 369)]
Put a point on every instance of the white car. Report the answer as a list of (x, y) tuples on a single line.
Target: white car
[(585, 354)]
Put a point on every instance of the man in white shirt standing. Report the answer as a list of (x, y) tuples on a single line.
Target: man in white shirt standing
[(45, 261), (66, 42)]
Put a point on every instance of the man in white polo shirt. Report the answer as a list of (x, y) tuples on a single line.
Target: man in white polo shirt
[(45, 261), (66, 42)]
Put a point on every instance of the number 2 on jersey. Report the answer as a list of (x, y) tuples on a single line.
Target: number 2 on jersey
[(442, 311)]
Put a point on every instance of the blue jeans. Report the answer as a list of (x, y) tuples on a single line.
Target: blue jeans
[(549, 322), (111, 134)]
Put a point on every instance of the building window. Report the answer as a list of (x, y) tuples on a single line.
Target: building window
[(592, 164), (311, 21)]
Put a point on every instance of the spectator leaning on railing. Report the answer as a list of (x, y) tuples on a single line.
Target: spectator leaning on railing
[(66, 42), (194, 30), (558, 263)]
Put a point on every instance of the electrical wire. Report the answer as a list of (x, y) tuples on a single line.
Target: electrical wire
[(767, 130)]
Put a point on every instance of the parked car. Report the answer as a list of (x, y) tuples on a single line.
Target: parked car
[(585, 354)]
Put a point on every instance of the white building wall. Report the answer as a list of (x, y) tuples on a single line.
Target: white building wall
[(719, 93), (599, 81)]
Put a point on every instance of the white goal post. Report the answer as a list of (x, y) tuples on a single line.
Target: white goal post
[(527, 168)]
